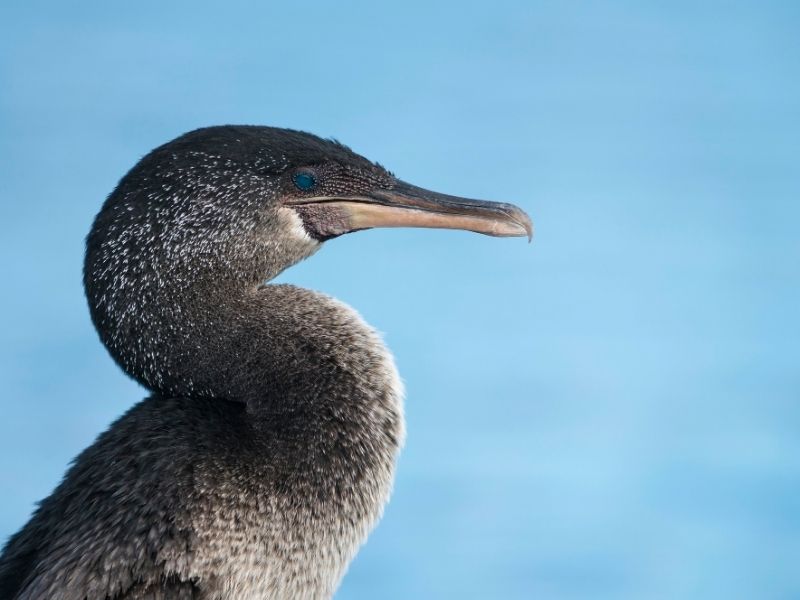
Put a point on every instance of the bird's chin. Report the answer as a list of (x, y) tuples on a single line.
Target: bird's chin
[(299, 231), (324, 221)]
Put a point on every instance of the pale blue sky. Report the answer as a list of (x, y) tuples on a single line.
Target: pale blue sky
[(610, 412)]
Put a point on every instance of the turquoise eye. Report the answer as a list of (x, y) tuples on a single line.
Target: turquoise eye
[(304, 181)]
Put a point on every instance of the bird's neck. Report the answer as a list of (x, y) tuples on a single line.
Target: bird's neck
[(277, 348), (301, 362)]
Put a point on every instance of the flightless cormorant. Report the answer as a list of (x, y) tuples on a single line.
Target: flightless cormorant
[(266, 450)]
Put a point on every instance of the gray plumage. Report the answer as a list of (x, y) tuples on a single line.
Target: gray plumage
[(267, 449)]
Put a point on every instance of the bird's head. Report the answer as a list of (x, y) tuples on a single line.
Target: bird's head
[(247, 202)]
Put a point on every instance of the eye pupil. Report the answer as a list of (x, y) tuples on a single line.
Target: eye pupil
[(305, 181)]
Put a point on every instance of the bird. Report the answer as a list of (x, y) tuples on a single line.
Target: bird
[(265, 452)]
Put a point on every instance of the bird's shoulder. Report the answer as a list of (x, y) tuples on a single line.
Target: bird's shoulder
[(116, 526)]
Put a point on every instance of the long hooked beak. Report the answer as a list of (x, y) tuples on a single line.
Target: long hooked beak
[(406, 205)]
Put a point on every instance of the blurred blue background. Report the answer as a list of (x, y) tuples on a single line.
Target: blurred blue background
[(610, 412)]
